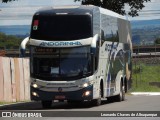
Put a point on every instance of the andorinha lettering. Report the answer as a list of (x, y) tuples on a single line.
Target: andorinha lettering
[(58, 44)]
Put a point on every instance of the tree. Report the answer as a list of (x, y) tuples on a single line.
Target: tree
[(157, 41), (5, 1), (118, 5), (114, 5), (9, 41)]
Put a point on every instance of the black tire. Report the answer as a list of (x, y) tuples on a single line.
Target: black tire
[(111, 99), (97, 102), (46, 104), (121, 96)]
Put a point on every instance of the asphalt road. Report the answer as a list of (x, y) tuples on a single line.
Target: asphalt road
[(132, 103)]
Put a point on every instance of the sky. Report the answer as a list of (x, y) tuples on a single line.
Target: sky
[(150, 11), (20, 12)]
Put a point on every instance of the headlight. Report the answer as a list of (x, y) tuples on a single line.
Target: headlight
[(85, 85), (35, 85)]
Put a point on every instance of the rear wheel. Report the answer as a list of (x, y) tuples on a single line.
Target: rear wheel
[(46, 104), (121, 96)]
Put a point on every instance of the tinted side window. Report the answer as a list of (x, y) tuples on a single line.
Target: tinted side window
[(109, 28)]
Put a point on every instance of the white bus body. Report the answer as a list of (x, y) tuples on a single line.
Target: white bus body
[(79, 53)]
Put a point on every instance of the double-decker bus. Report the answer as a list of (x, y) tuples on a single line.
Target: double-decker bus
[(79, 53)]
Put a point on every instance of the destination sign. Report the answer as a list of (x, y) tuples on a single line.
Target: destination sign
[(45, 50)]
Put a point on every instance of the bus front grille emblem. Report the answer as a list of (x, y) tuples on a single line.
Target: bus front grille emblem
[(59, 89)]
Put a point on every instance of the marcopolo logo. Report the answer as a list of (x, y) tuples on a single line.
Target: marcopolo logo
[(59, 44)]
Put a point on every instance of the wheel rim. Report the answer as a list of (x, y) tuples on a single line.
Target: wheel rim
[(99, 99), (123, 93)]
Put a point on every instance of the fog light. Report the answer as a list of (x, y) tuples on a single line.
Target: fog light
[(35, 85), (87, 93), (34, 94)]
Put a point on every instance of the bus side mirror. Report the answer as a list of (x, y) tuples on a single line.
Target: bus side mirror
[(93, 62), (23, 47), (94, 44)]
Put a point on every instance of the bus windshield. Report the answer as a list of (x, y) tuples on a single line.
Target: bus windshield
[(62, 64), (61, 27)]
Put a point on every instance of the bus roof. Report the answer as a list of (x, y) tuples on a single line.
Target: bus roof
[(111, 13), (79, 9), (65, 10)]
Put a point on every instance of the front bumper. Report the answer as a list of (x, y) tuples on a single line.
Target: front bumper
[(72, 95)]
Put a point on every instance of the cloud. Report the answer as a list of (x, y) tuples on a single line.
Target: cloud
[(150, 11), (15, 22), (23, 10)]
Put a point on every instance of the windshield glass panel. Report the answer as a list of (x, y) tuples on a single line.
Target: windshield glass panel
[(62, 63), (61, 27)]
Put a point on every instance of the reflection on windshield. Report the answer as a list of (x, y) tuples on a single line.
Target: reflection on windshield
[(69, 62), (74, 66)]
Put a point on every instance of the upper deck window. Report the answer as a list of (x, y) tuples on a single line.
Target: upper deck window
[(61, 27)]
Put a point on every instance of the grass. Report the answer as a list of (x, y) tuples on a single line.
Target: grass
[(142, 77), (3, 103), (6, 103)]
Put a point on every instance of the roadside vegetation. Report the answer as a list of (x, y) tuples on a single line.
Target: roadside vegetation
[(146, 77), (157, 41), (3, 103), (9, 41)]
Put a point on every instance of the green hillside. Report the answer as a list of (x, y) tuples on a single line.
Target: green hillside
[(9, 41)]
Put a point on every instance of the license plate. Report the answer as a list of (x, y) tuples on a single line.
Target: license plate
[(60, 97)]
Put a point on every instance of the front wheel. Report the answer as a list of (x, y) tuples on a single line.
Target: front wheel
[(46, 104), (97, 102)]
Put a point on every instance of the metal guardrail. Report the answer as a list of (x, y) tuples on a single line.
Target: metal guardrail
[(12, 53), (2, 52), (146, 55), (16, 53)]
